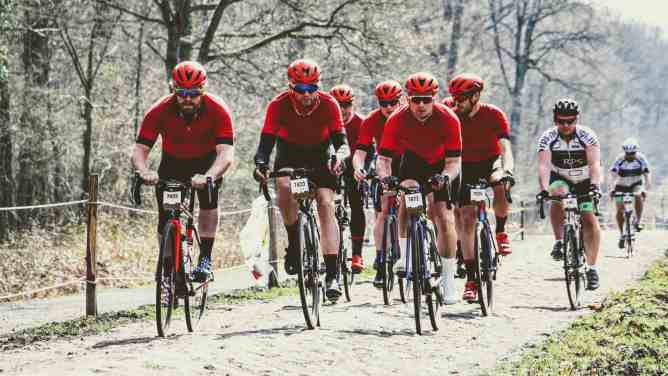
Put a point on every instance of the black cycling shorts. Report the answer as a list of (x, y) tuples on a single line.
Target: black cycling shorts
[(415, 168), (471, 174), (581, 188), (298, 156)]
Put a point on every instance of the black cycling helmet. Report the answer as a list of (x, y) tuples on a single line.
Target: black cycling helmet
[(566, 107)]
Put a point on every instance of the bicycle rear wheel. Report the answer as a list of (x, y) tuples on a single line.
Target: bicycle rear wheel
[(388, 257), (345, 268), (308, 271), (165, 286)]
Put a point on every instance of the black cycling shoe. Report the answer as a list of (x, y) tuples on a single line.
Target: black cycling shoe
[(202, 271), (332, 290), (291, 262), (639, 226), (378, 280), (592, 279), (557, 254), (621, 242)]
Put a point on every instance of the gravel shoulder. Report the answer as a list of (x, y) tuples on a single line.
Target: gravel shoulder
[(362, 337)]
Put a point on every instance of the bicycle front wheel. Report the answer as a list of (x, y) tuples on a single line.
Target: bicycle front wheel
[(573, 273), (388, 257), (433, 297), (628, 236), (194, 303), (308, 272), (482, 250), (345, 267), (165, 283), (416, 276)]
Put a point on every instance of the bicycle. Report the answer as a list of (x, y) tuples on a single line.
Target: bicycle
[(487, 260), (173, 275), (423, 264), (344, 269), (628, 230), (573, 244), (308, 244)]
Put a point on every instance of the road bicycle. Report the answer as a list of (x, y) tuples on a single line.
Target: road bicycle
[(173, 277), (628, 230), (344, 271)]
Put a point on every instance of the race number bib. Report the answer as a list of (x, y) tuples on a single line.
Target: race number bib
[(570, 203), (477, 195), (299, 186), (414, 201), (628, 202), (171, 198)]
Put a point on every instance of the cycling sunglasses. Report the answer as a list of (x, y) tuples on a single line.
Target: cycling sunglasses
[(568, 121), (390, 103), (305, 88), (462, 97), (346, 104), (419, 99), (188, 93)]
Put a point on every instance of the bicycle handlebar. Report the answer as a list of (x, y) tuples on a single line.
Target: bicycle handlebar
[(540, 200), (137, 183)]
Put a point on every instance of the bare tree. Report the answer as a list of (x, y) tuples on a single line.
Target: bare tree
[(6, 149), (529, 34)]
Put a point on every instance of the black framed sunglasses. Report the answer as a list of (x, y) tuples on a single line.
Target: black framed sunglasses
[(305, 88), (420, 99), (565, 121), (346, 104), (390, 103)]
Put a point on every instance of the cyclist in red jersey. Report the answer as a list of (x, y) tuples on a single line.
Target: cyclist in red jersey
[(197, 143), (429, 135), (302, 122), (389, 94), (486, 154), (352, 122)]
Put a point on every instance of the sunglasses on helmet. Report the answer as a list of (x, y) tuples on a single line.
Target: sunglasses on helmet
[(390, 103), (188, 93), (305, 88), (422, 99)]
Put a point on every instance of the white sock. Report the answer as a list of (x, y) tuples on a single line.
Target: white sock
[(449, 266), (403, 246), (592, 267)]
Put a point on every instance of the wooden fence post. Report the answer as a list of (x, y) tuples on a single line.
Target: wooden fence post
[(91, 249), (522, 220), (273, 253)]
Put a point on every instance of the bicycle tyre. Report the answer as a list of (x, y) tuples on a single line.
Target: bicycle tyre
[(387, 261), (479, 269), (628, 236), (489, 271), (194, 303), (571, 267), (309, 290), (433, 296), (165, 288), (416, 276), (345, 269)]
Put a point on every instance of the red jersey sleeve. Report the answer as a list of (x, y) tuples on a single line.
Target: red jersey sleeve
[(503, 126), (336, 120), (391, 143), (150, 125), (224, 129), (271, 119), (453, 140)]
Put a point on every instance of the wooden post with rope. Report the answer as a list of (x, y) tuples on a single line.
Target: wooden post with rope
[(91, 247)]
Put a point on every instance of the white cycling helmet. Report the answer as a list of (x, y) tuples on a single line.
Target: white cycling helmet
[(630, 145)]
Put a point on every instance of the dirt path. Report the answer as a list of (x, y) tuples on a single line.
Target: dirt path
[(358, 338)]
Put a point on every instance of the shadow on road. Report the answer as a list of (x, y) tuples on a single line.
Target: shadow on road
[(544, 308), (471, 315), (131, 341), (287, 330), (383, 333), (554, 279)]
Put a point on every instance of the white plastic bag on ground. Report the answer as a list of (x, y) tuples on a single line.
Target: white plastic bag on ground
[(254, 240)]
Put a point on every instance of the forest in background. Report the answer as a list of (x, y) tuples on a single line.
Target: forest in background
[(77, 75)]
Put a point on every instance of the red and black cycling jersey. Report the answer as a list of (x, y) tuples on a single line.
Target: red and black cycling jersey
[(353, 130), (282, 121), (371, 130), (185, 139), (482, 132), (432, 141)]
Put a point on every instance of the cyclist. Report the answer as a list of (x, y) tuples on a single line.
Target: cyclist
[(429, 135), (486, 154), (630, 173), (389, 94), (197, 143), (570, 153), (352, 122), (301, 121)]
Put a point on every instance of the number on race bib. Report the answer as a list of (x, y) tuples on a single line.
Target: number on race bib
[(477, 195), (171, 198), (414, 200), (570, 203), (299, 186)]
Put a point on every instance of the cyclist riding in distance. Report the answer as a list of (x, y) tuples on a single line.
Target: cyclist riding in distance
[(630, 173), (389, 94), (569, 156), (197, 143), (429, 135), (352, 122), (301, 121), (486, 154)]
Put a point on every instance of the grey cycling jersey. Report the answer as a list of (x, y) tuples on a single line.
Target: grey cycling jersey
[(569, 158), (630, 172)]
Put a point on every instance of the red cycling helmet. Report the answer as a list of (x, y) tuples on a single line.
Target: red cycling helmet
[(342, 93), (465, 83), (188, 75), (304, 71), (421, 83), (388, 90)]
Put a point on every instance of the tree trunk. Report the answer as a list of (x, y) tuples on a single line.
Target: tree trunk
[(6, 173), (455, 38)]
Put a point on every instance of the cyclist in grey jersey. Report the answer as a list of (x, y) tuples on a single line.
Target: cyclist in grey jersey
[(630, 173), (569, 155)]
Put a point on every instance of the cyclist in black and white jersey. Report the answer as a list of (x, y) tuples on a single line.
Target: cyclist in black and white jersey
[(630, 173), (569, 158)]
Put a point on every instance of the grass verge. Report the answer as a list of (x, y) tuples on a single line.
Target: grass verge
[(627, 336)]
